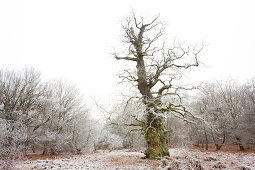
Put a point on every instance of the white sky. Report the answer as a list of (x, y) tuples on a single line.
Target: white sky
[(73, 39)]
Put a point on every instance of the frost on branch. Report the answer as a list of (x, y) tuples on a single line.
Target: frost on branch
[(12, 142), (46, 117), (155, 72)]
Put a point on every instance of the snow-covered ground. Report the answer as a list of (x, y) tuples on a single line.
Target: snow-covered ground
[(181, 158), (211, 159)]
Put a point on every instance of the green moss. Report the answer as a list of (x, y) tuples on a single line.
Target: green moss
[(156, 141)]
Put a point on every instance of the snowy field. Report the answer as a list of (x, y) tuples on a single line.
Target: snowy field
[(181, 158)]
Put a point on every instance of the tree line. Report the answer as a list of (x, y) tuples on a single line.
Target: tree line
[(35, 115), (227, 112)]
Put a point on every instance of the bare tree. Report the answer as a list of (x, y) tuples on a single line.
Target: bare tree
[(158, 68), (247, 119), (19, 96), (227, 110), (51, 115), (68, 119)]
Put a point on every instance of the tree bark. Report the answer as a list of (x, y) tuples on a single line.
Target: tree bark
[(218, 146), (206, 139), (155, 133), (240, 144), (156, 144)]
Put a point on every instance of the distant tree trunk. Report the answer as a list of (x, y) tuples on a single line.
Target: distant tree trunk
[(45, 148), (240, 144), (52, 151), (33, 148), (95, 147), (218, 146), (241, 147), (206, 139)]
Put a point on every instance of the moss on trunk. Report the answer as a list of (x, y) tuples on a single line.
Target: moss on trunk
[(156, 143)]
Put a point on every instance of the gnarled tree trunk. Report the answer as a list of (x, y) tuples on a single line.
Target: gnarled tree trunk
[(156, 141), (155, 133), (152, 65)]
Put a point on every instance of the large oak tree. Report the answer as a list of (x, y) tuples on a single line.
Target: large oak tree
[(158, 68)]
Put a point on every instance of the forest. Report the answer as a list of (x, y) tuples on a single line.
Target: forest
[(161, 122)]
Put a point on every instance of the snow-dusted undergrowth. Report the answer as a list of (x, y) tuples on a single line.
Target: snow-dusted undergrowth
[(97, 160), (182, 158)]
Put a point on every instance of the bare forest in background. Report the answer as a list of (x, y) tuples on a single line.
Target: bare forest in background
[(160, 112)]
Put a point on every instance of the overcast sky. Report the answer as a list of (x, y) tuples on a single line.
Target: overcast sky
[(73, 39)]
